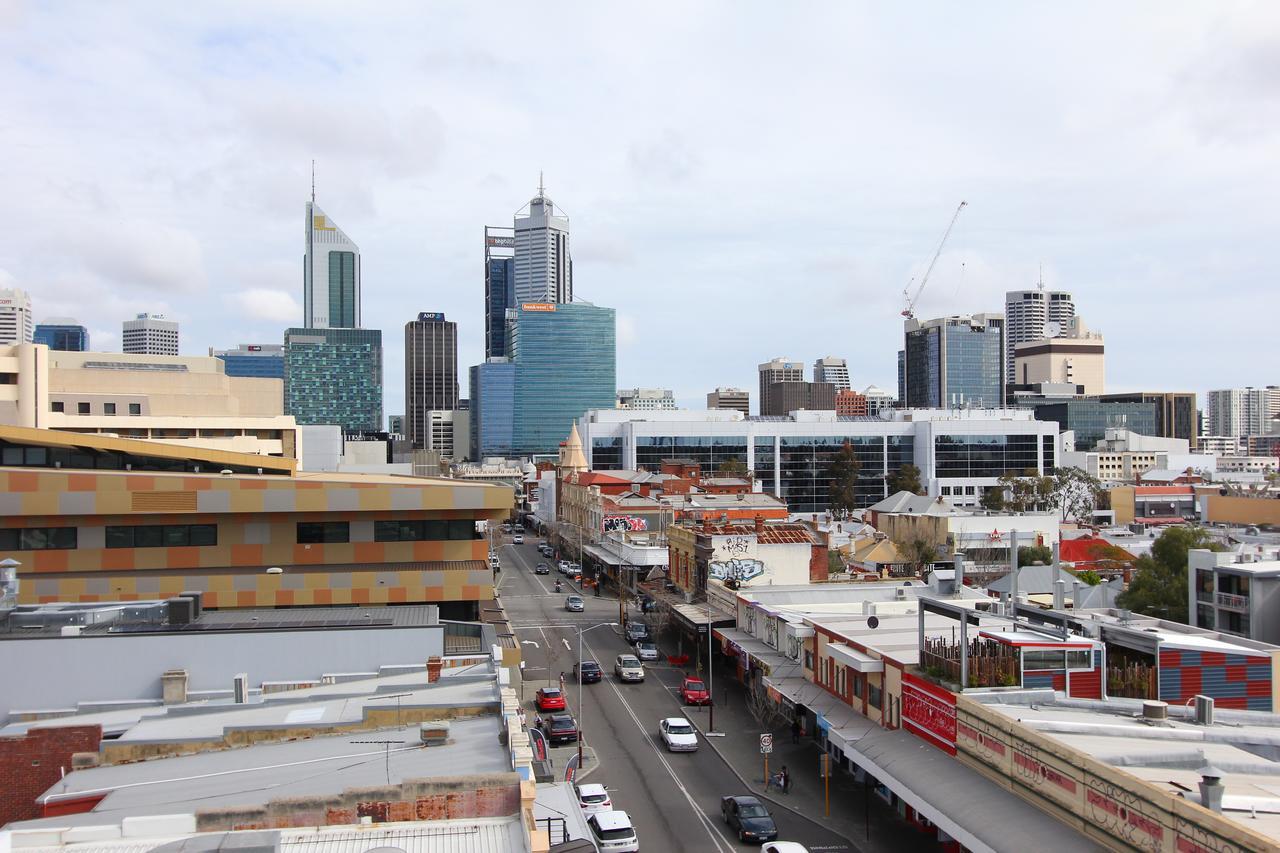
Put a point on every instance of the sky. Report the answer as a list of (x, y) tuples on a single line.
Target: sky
[(744, 180)]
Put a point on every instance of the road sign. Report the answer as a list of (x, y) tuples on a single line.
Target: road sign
[(766, 744)]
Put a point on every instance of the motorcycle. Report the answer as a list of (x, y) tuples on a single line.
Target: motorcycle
[(558, 586)]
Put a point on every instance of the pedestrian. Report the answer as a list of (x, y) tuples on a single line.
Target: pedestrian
[(785, 779), (795, 730)]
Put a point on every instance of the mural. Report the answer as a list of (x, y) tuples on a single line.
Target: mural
[(624, 524), (741, 570)]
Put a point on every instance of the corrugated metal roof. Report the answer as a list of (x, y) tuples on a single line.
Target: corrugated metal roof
[(481, 835)]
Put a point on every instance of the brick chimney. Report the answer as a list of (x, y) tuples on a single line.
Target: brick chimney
[(434, 665), (759, 524)]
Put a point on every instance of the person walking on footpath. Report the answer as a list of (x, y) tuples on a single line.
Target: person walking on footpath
[(785, 779), (795, 730)]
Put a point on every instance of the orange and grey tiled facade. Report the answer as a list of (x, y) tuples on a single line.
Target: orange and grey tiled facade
[(257, 522)]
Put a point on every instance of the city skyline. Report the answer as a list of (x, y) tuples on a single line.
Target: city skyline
[(190, 208)]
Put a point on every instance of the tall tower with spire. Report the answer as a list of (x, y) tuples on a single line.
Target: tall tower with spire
[(543, 265), (330, 273)]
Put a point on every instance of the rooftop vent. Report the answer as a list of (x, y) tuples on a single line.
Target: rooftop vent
[(1155, 711), (434, 733)]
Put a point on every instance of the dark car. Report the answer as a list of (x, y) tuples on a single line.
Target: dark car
[(748, 817), (637, 631), (542, 569), (560, 728), (591, 671)]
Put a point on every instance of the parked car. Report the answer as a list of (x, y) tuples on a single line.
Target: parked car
[(748, 817), (549, 699), (559, 728), (517, 539), (637, 631), (694, 692), (647, 603), (517, 528), (613, 832), (574, 604), (591, 672), (783, 847), (506, 528), (678, 734), (562, 565), (593, 798), (542, 569), (646, 650), (628, 668)]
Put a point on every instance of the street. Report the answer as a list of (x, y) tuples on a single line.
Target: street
[(673, 799)]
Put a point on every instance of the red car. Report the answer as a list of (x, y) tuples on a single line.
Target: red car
[(694, 692), (549, 699)]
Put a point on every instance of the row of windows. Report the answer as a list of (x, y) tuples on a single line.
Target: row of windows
[(161, 535), (423, 531), (86, 408), (37, 539), (22, 456), (985, 455), (182, 535)]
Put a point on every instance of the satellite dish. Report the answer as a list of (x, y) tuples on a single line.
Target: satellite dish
[(1052, 329), (873, 621)]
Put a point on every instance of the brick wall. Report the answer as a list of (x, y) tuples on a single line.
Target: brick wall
[(32, 763)]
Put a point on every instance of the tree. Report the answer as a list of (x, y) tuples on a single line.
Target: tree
[(1089, 576), (905, 479), (1029, 554), (844, 482), (732, 468), (918, 552), (1159, 585), (835, 562), (1076, 494), (993, 499), (1027, 493)]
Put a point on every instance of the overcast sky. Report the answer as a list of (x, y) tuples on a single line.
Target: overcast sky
[(742, 183)]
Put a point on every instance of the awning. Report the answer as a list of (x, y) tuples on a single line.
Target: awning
[(764, 656), (855, 659), (830, 710)]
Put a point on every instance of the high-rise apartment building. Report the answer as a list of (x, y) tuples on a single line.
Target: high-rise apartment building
[(330, 274), (334, 376), (1175, 412), (265, 360), (499, 288), (150, 334), (851, 404), (395, 425), (62, 334), (833, 370), (772, 372), (734, 399), (1028, 315), (954, 362), (493, 389), (15, 316), (646, 399), (430, 374), (1241, 412), (543, 264)]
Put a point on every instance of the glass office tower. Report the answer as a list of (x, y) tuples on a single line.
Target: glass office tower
[(330, 274), (499, 295), (334, 376), (264, 361), (66, 337), (954, 362), (492, 408), (565, 360)]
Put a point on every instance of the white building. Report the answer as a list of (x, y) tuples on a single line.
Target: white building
[(448, 433), (833, 370), (330, 274), (878, 399), (16, 325), (1248, 464), (645, 399), (1222, 445), (543, 263), (150, 334), (1123, 456), (1241, 411), (1027, 315)]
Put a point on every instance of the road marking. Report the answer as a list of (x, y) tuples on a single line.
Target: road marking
[(567, 647)]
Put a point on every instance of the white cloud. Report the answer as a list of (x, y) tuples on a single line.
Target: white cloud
[(261, 304)]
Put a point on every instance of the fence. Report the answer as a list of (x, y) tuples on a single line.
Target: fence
[(990, 664), (1133, 681)]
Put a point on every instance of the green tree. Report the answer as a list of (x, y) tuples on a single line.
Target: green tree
[(1029, 554), (843, 474), (732, 468), (1076, 494), (1090, 577), (918, 552), (1159, 585), (1027, 493), (905, 479), (835, 562), (993, 499)]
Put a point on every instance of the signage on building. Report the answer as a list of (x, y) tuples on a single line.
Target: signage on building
[(430, 317), (501, 242), (624, 523), (929, 712), (253, 348), (537, 306)]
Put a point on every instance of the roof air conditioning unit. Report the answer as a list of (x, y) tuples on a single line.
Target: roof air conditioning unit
[(1204, 710), (900, 593)]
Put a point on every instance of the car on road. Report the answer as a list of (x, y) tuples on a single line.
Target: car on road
[(506, 528), (546, 550), (517, 539), (628, 668), (591, 671), (549, 699), (694, 692), (748, 817), (647, 603), (646, 650), (562, 565), (783, 847), (574, 604), (517, 528), (678, 734), (613, 832), (593, 798), (559, 728), (637, 631), (542, 569)]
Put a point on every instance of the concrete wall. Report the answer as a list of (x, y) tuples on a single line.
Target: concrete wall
[(58, 672), (1233, 510)]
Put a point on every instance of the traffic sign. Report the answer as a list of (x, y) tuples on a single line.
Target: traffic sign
[(766, 744)]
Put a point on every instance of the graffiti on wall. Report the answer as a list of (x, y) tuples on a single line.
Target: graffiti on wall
[(624, 524), (740, 570)]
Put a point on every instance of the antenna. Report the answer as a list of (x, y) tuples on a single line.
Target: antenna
[(313, 181), (1041, 282), (541, 189)]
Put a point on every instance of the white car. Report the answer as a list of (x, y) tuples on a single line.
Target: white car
[(612, 831), (679, 735), (646, 650), (517, 539), (628, 668), (593, 798), (783, 847)]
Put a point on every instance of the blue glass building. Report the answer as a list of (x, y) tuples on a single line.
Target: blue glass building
[(954, 362), (67, 337), (565, 364), (492, 408), (334, 376), (499, 295), (254, 360)]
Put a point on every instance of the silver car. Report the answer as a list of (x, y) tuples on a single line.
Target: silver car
[(646, 650), (574, 604), (628, 668)]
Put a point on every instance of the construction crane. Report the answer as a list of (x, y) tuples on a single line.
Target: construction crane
[(907, 297)]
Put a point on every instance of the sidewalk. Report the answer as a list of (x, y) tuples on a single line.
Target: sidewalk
[(740, 748)]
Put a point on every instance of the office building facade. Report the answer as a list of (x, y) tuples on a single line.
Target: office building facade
[(395, 425), (1175, 412), (565, 360), (62, 334), (1090, 419), (499, 288), (877, 399), (262, 360), (646, 399), (543, 263), (733, 399), (954, 362), (1242, 412), (334, 376), (833, 370), (1075, 357), (330, 274), (787, 397), (1028, 314), (16, 324), (493, 389), (851, 404), (150, 334), (430, 373), (773, 372)]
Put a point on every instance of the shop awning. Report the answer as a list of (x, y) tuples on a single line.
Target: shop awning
[(851, 657)]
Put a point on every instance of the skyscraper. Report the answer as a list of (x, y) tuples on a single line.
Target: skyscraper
[(499, 288), (778, 370), (63, 334), (150, 334), (954, 362), (330, 274), (734, 399), (15, 316), (261, 360), (493, 388), (1027, 315), (1240, 412), (833, 370), (334, 376), (1175, 412), (543, 265), (430, 373)]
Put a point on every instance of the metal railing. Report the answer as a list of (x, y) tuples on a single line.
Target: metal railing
[(1232, 602)]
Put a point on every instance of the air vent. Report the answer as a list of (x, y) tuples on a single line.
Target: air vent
[(164, 501)]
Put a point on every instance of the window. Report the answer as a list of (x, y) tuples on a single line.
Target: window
[(135, 408), (423, 531), (161, 535), (37, 539), (1079, 659), (108, 408), (1043, 659), (57, 406), (873, 695), (82, 408), (808, 659), (316, 532)]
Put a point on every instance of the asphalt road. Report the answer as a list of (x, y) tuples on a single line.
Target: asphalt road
[(672, 798)]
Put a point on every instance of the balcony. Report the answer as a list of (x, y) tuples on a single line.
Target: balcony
[(1232, 602)]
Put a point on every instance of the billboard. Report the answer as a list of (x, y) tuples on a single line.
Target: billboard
[(537, 306), (430, 316), (500, 242)]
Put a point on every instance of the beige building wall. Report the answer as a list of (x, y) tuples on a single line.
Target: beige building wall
[(1075, 362)]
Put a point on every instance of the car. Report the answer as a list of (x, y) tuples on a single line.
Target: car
[(646, 650), (613, 832), (637, 631), (506, 528), (694, 692), (546, 550), (647, 603), (559, 728), (678, 734), (517, 528), (541, 569), (517, 539), (591, 671), (628, 668), (562, 565), (593, 798), (783, 847), (748, 817), (574, 604), (549, 699)]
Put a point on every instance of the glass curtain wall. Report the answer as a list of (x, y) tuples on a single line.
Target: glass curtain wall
[(709, 452), (984, 455)]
